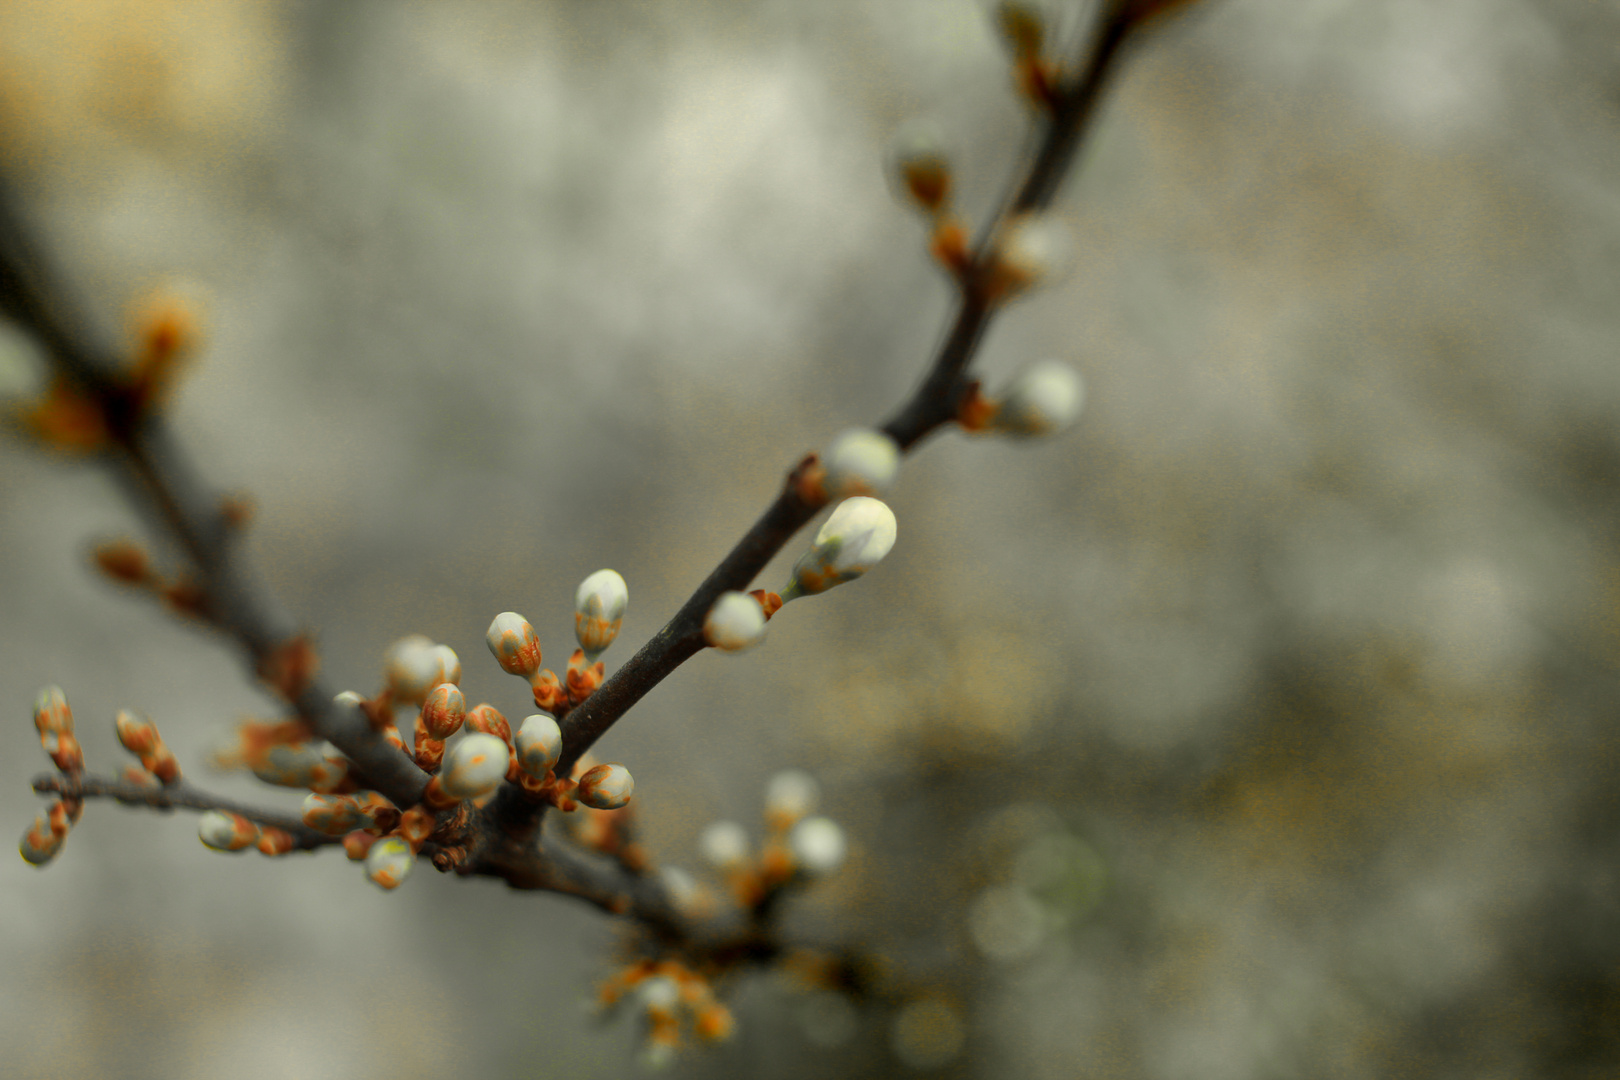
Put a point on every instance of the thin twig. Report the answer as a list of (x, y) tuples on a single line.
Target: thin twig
[(172, 796)]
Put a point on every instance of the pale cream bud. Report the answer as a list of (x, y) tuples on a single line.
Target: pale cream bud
[(817, 844), (227, 832), (474, 766), (389, 861), (791, 794), (860, 462), (724, 844), (514, 644), (1043, 399), (855, 538), (606, 787), (539, 744), (735, 622), (599, 606)]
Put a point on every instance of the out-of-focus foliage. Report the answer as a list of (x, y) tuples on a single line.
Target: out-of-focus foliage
[(1261, 725)]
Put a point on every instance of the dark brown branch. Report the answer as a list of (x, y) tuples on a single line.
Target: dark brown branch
[(160, 478), (172, 796), (933, 404)]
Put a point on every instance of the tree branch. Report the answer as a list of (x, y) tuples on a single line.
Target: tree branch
[(180, 795)]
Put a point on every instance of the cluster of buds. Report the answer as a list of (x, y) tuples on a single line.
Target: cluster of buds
[(140, 737), (668, 992), (599, 606), (225, 831), (1043, 399), (416, 664), (1025, 27), (286, 753), (127, 563), (53, 719), (855, 537), (799, 845)]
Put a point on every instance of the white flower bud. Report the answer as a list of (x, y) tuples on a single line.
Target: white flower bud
[(817, 844), (791, 794), (659, 992), (349, 699), (606, 787), (855, 538), (51, 712), (514, 644), (1032, 250), (1043, 399), (921, 165), (227, 832), (724, 844), (474, 766), (415, 666), (389, 861), (539, 744), (860, 462), (599, 610), (40, 844), (443, 711), (333, 815), (735, 622), (449, 665)]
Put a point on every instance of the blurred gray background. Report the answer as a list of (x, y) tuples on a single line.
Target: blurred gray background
[(1262, 726)]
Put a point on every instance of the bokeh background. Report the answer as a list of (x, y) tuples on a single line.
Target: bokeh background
[(1262, 726)]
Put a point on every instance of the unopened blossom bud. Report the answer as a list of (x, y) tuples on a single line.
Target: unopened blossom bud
[(724, 844), (599, 611), (317, 766), (227, 832), (63, 749), (357, 845), (817, 844), (40, 843), (389, 861), (735, 622), (789, 796), (333, 815), (860, 461), (487, 718), (714, 1023), (539, 744), (124, 561), (514, 644), (1031, 250), (855, 538), (349, 699), (51, 712), (273, 841), (140, 737), (443, 711), (416, 665), (606, 787), (922, 168), (474, 766), (1023, 25), (1043, 399)]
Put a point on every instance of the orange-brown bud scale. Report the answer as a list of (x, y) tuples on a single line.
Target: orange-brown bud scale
[(68, 420), (549, 694), (290, 667), (436, 798), (273, 841), (1039, 81), (975, 412), (928, 181), (393, 738), (124, 561), (236, 510), (714, 1023), (769, 602), (415, 826), (185, 597), (429, 753), (809, 481), (64, 750), (488, 719), (583, 679), (949, 246), (357, 844), (137, 776), (560, 793), (166, 332)]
